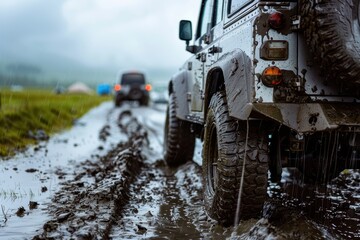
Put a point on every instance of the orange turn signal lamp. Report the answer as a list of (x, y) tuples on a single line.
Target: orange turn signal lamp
[(117, 87), (148, 87), (271, 76)]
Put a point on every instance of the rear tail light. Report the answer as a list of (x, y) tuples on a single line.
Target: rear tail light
[(276, 20), (274, 50), (148, 87), (271, 76), (117, 87)]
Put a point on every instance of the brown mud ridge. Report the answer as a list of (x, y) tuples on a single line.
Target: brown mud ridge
[(88, 206), (124, 194)]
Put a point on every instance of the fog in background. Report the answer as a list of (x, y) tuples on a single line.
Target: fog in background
[(50, 42)]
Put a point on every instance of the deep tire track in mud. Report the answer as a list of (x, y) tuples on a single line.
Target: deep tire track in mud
[(131, 194), (166, 203), (88, 206)]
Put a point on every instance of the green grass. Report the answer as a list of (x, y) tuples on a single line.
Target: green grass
[(31, 110)]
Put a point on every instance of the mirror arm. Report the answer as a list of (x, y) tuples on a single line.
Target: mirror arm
[(193, 48)]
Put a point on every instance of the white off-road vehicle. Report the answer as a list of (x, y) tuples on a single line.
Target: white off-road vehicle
[(271, 84)]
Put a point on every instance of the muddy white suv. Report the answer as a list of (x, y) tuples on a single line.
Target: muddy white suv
[(271, 84)]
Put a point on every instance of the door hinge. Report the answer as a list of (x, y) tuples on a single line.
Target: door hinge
[(201, 57), (188, 96), (214, 49), (202, 95), (296, 22)]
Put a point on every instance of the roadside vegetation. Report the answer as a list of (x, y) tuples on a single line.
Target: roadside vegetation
[(23, 113)]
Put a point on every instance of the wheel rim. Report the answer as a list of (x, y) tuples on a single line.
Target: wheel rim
[(213, 157)]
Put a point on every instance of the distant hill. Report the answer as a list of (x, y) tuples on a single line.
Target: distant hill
[(52, 71)]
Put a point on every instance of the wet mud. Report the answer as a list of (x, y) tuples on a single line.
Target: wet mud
[(130, 193), (89, 205), (334, 207)]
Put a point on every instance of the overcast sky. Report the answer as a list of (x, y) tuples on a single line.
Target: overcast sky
[(136, 34)]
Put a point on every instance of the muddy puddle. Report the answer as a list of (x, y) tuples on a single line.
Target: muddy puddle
[(122, 189), (335, 208), (167, 204)]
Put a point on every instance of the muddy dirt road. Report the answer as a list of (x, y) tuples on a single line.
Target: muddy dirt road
[(106, 179)]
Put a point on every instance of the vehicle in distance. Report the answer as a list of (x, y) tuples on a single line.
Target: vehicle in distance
[(132, 87), (270, 84)]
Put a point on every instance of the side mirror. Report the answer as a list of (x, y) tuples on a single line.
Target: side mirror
[(185, 31)]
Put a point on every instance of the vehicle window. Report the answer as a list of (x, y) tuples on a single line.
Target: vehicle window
[(132, 79), (236, 5), (204, 18), (219, 11)]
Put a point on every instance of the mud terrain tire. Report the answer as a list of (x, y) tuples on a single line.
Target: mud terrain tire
[(179, 142), (118, 103), (332, 32), (275, 166), (144, 102), (223, 156)]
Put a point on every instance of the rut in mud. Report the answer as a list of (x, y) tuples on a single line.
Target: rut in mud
[(131, 194), (88, 206)]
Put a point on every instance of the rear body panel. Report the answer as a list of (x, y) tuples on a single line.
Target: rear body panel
[(240, 40)]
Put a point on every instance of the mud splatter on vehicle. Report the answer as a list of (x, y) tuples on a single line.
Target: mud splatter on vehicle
[(269, 85)]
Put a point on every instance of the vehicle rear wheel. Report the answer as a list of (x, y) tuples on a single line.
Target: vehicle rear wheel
[(332, 30), (135, 93), (275, 166), (223, 160), (179, 141), (144, 101), (118, 103)]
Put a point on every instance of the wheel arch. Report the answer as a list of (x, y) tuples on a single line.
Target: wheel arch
[(170, 87), (232, 73), (214, 83), (179, 86)]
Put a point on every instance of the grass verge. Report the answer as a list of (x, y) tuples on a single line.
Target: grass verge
[(32, 110)]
